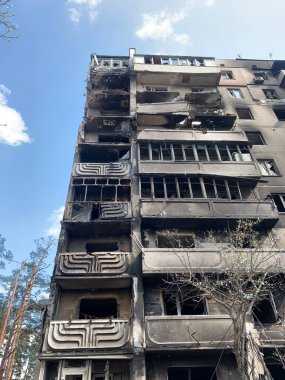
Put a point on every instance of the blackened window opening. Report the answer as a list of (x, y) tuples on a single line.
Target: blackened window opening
[(98, 308), (101, 247)]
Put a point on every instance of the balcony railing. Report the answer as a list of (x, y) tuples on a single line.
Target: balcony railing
[(117, 169), (190, 135), (231, 168), (209, 209), (272, 335), (185, 75), (95, 263), (87, 334), (183, 260), (193, 331), (92, 211)]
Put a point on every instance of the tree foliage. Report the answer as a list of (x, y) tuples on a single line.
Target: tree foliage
[(8, 29), (23, 298), (247, 277)]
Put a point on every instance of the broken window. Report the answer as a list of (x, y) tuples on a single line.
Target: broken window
[(235, 93), (193, 373), (255, 137), (183, 187), (280, 113), (279, 201), (270, 93), (73, 377), (101, 247), (148, 60), (111, 189), (277, 371), (174, 304), (268, 167), (113, 139), (156, 88), (194, 152), (91, 308), (244, 113), (175, 240), (265, 311), (227, 75)]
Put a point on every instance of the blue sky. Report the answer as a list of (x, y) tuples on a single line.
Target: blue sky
[(43, 73)]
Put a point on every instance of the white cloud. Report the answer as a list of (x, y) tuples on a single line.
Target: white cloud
[(74, 15), (209, 3), (75, 8), (12, 127), (161, 26), (55, 219)]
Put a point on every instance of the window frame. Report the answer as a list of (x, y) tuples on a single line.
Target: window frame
[(268, 161), (244, 109), (227, 75), (234, 91)]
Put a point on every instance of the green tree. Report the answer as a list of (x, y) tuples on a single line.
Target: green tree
[(22, 300)]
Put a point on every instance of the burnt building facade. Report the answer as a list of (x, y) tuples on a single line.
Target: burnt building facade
[(168, 143)]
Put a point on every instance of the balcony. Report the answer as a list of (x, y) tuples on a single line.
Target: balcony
[(236, 169), (182, 260), (93, 211), (272, 336), (177, 75), (109, 100), (79, 335), (186, 332), (115, 169), (203, 211), (96, 264), (190, 135)]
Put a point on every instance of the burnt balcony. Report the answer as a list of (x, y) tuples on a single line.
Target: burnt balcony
[(172, 117), (272, 335), (160, 261), (180, 75), (87, 335), (204, 211), (117, 169), (97, 211), (188, 332), (109, 100), (240, 169), (192, 135), (95, 264)]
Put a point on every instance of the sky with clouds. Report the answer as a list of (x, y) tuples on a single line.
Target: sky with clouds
[(43, 74)]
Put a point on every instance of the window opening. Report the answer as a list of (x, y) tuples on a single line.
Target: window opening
[(202, 152), (227, 75), (165, 61), (189, 153), (221, 188), (166, 151), (78, 193), (98, 308), (210, 188), (195, 373), (264, 311), (268, 167), (184, 190), (94, 193), (175, 240), (146, 187), (73, 377), (158, 187), (113, 139), (144, 151), (279, 201), (171, 189), (244, 113), (270, 93), (280, 113), (155, 152), (174, 61), (255, 137), (196, 188), (101, 247), (178, 152), (175, 305), (109, 193), (235, 93), (148, 60), (157, 60), (123, 193)]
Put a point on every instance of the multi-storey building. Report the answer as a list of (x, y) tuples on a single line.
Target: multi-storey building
[(167, 143)]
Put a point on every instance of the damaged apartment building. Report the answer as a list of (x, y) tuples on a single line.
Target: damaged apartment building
[(168, 143)]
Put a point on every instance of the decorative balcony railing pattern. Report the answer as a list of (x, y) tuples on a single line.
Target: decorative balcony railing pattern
[(90, 211), (93, 263), (88, 334), (118, 169), (188, 331)]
